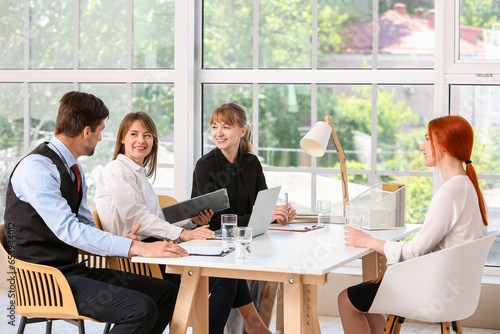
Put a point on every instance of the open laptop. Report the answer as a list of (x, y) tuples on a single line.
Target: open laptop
[(262, 212)]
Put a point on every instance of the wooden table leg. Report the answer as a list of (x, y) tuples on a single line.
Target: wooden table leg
[(199, 310), (293, 304), (374, 266), (310, 314), (187, 291)]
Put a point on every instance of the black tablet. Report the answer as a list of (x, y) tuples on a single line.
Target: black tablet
[(217, 201)]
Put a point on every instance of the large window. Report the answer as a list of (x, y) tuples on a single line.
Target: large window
[(288, 62), (81, 47), (380, 125), (322, 57)]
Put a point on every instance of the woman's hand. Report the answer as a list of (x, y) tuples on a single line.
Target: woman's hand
[(283, 214), (355, 237), (132, 234), (358, 238), (198, 233), (203, 218)]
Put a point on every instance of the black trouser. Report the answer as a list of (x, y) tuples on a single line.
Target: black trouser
[(133, 303), (225, 293)]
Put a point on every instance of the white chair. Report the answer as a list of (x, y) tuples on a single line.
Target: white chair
[(440, 287)]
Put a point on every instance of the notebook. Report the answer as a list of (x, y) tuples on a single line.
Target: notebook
[(262, 212)]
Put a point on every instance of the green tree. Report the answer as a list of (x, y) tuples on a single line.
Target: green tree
[(480, 13), (153, 34), (227, 34), (285, 30)]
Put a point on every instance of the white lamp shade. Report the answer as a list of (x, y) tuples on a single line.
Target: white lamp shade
[(315, 141)]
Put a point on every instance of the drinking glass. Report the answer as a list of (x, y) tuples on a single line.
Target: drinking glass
[(354, 221), (228, 224), (324, 210), (243, 241)]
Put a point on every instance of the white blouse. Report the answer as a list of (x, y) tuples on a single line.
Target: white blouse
[(453, 218), (124, 197)]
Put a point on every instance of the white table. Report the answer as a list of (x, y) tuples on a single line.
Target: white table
[(298, 260)]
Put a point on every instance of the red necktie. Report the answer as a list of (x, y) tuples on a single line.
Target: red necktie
[(76, 171)]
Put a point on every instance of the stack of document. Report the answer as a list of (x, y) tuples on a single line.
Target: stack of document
[(306, 217)]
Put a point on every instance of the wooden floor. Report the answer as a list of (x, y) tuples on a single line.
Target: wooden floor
[(329, 325)]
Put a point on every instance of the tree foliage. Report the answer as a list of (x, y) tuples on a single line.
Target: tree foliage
[(480, 13)]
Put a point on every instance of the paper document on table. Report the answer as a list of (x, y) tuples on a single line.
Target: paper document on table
[(208, 250), (294, 227)]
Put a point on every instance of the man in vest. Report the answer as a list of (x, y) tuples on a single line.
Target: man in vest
[(46, 211)]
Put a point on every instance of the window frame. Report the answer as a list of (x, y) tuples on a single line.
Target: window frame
[(188, 76)]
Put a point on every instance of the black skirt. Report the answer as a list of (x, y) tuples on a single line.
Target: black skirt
[(362, 295)]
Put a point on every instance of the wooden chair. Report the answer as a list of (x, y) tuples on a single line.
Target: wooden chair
[(166, 200), (124, 264), (42, 294), (440, 287)]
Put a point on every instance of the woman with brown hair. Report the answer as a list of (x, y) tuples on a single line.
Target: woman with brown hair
[(124, 196), (456, 214)]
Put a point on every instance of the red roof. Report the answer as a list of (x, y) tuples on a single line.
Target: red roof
[(400, 33)]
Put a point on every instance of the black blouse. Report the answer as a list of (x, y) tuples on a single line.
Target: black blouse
[(243, 179)]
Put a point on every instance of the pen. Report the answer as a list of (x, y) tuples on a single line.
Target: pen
[(286, 204)]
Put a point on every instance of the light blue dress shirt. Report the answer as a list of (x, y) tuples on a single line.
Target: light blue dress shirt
[(37, 181)]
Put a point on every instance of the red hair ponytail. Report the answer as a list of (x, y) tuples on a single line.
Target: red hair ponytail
[(455, 134)]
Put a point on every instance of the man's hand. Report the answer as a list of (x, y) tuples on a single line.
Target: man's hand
[(203, 218), (156, 249), (198, 233)]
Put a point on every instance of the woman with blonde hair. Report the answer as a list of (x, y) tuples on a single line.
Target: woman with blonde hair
[(456, 215), (232, 165)]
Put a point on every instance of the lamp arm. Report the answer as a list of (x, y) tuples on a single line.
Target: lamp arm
[(343, 164)]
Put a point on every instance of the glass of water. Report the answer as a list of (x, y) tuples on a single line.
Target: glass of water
[(354, 221), (243, 242), (324, 210), (228, 224)]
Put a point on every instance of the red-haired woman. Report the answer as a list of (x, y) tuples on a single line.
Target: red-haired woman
[(456, 214)]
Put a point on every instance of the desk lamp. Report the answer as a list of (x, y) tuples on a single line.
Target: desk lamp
[(314, 143)]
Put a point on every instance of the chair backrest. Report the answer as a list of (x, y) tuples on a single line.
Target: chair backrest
[(97, 221), (41, 291), (437, 287), (166, 200), (125, 264), (92, 260)]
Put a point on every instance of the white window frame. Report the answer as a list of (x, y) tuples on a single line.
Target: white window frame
[(188, 77)]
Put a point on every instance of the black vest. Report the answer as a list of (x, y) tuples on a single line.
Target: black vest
[(27, 237)]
